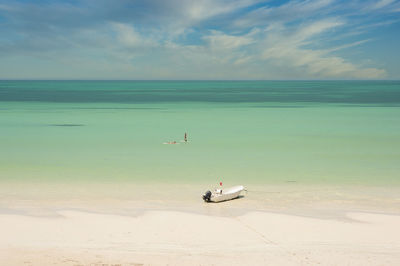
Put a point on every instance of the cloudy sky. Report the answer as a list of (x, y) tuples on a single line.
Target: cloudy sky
[(199, 39)]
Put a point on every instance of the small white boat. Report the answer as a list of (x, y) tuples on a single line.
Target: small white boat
[(223, 194)]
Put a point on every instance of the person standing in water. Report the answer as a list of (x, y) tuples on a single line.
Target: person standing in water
[(185, 138)]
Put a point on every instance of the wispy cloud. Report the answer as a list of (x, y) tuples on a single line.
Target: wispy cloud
[(127, 36), (284, 13), (316, 63), (380, 4), (347, 45), (195, 38), (221, 41)]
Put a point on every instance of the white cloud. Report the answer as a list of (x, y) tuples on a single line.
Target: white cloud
[(293, 40), (203, 9), (381, 3), (288, 12), (345, 46), (316, 28), (190, 13), (289, 50), (219, 40), (129, 37)]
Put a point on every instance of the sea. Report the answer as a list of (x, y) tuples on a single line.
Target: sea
[(268, 132)]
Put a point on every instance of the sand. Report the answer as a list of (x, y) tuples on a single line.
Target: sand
[(42, 230)]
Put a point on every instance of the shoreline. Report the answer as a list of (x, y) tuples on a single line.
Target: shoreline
[(160, 224), (314, 200)]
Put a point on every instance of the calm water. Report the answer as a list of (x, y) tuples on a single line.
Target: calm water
[(250, 131)]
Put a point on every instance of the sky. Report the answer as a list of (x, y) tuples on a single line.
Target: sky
[(199, 39)]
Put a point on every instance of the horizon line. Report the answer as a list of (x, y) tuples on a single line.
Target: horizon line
[(40, 79)]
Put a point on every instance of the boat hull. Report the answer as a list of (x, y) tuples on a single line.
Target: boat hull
[(226, 194)]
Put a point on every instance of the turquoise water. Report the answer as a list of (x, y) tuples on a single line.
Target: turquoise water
[(249, 131)]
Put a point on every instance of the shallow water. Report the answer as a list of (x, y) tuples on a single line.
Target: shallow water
[(248, 132)]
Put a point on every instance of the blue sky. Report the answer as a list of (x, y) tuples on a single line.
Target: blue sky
[(199, 39)]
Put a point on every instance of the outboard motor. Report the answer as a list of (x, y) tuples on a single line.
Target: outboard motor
[(207, 196)]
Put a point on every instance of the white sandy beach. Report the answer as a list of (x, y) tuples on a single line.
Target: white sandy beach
[(40, 229)]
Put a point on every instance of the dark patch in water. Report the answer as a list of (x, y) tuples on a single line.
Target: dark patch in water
[(118, 108), (278, 106), (66, 125), (369, 105)]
